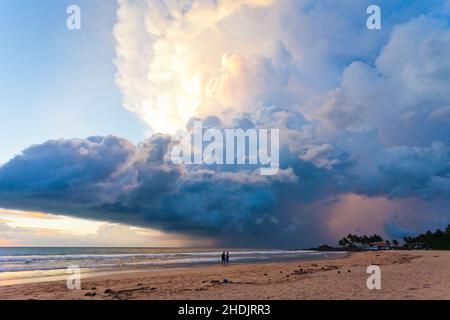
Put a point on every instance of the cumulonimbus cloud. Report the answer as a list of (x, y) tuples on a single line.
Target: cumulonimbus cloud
[(110, 178), (358, 113)]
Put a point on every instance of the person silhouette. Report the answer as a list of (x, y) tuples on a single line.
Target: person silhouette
[(223, 259), (227, 258)]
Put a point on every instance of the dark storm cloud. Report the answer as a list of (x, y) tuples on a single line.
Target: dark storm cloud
[(110, 178), (395, 232)]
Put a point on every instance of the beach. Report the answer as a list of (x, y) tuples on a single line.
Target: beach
[(404, 275)]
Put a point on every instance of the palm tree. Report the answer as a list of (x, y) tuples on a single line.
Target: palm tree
[(447, 230), (343, 242)]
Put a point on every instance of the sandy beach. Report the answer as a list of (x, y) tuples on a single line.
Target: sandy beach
[(404, 275)]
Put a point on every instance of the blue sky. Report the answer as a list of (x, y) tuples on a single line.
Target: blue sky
[(57, 83)]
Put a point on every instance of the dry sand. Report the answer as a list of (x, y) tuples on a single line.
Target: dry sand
[(404, 275)]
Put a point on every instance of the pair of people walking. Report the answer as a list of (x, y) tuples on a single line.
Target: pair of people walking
[(225, 259)]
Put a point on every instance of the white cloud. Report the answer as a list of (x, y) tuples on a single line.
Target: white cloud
[(176, 60)]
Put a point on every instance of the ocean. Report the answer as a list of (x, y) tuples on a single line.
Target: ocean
[(34, 263)]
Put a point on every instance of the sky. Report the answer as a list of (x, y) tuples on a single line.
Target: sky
[(57, 83), (87, 117)]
